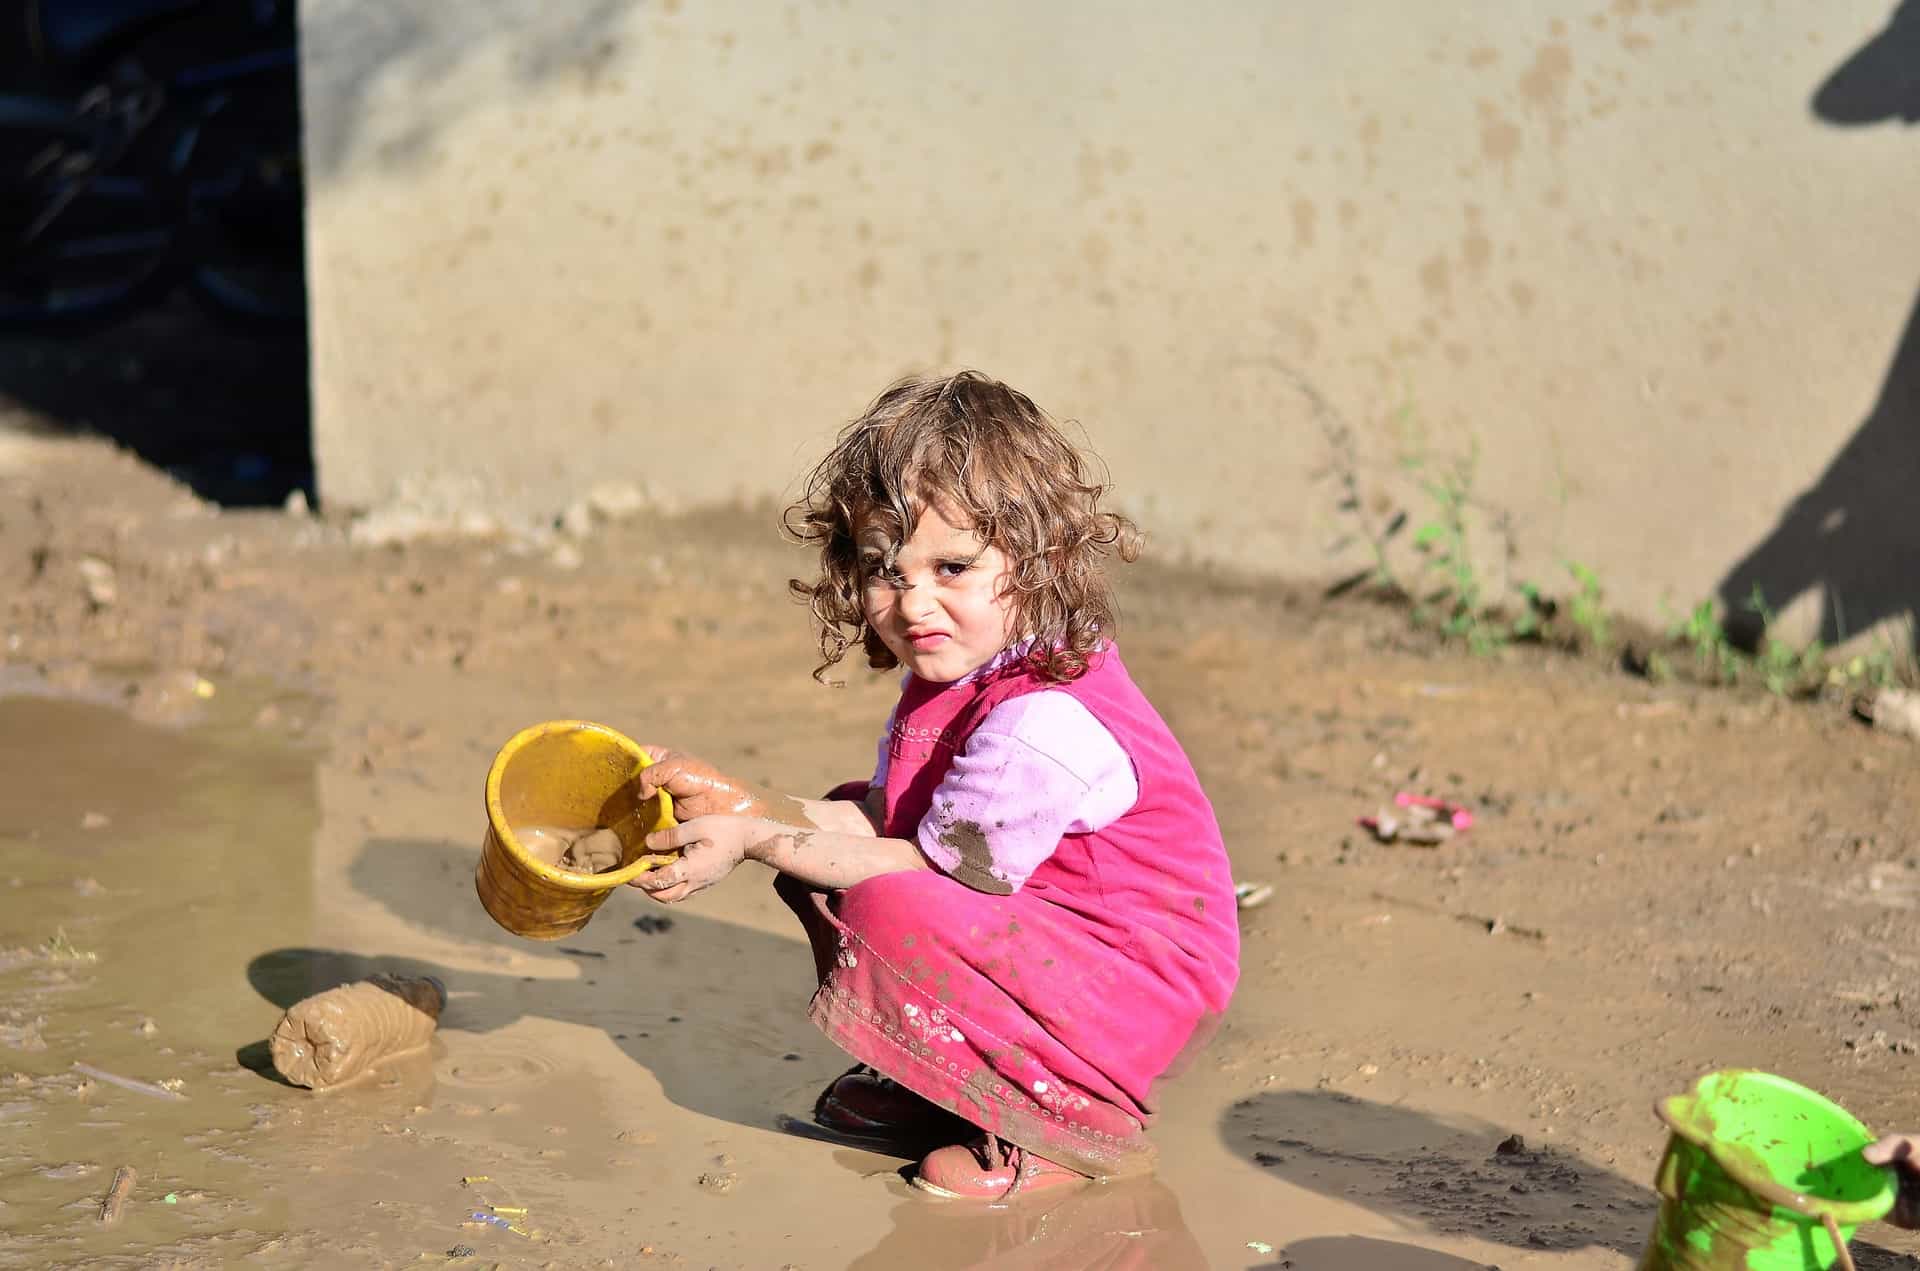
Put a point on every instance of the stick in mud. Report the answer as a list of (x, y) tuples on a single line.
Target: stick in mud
[(116, 1197), (127, 1083)]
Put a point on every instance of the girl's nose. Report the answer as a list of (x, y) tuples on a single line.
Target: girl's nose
[(916, 601)]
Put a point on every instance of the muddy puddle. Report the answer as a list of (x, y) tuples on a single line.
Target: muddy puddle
[(140, 869), (634, 1095)]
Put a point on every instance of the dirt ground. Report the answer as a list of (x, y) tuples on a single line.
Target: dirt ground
[(241, 759)]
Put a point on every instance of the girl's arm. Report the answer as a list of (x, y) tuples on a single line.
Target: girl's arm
[(844, 816), (827, 858), (711, 847)]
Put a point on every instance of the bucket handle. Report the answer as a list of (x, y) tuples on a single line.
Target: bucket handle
[(1839, 1245)]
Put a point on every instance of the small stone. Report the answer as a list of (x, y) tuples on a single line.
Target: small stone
[(98, 579), (95, 821), (566, 557), (297, 506), (719, 1182), (1512, 1145), (616, 500), (146, 1027)]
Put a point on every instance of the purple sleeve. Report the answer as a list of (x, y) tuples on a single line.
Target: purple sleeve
[(1037, 767)]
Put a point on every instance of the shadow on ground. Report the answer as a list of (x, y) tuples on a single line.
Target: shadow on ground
[(1456, 1177), (221, 409), (1445, 1175), (714, 1011), (1359, 1253)]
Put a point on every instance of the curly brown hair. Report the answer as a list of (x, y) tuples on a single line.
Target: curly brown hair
[(991, 453)]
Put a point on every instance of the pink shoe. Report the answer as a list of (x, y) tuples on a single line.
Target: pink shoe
[(989, 1168), (861, 1102)]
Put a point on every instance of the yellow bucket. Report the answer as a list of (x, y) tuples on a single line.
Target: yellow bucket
[(574, 774)]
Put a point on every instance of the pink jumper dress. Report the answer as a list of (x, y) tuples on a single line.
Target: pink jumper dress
[(1045, 1016)]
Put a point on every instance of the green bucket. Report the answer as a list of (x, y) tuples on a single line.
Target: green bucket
[(1754, 1170)]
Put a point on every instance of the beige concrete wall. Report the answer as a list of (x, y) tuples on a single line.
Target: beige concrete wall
[(1612, 247)]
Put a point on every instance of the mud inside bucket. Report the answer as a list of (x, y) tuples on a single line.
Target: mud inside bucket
[(573, 774), (1755, 1168)]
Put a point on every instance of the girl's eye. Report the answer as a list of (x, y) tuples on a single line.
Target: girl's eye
[(953, 568), (874, 573)]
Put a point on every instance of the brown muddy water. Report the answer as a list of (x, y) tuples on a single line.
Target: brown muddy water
[(140, 871)]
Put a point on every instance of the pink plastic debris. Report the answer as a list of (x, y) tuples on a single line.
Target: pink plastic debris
[(1427, 821)]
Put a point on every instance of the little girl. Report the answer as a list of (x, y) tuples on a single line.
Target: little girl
[(1026, 916)]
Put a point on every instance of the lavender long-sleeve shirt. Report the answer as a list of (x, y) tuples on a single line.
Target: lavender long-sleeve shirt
[(1037, 767)]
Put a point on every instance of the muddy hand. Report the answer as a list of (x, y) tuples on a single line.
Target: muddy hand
[(710, 848), (1902, 1151), (700, 789)]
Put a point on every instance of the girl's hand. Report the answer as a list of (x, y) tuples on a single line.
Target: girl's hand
[(710, 847), (700, 789), (1902, 1151)]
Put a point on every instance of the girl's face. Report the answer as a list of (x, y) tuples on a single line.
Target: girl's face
[(940, 604)]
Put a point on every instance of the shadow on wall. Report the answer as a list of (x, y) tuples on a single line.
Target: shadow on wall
[(222, 409), (353, 55), (151, 154), (213, 393), (1853, 533)]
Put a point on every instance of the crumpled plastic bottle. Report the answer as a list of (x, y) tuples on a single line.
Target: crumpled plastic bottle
[(331, 1038)]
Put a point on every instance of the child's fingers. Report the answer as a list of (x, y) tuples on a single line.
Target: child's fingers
[(663, 769), (1893, 1149), (655, 881), (676, 837)]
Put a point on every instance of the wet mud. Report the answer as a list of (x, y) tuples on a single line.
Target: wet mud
[(1658, 881), (578, 851)]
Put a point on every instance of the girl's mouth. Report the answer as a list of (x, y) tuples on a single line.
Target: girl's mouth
[(927, 640)]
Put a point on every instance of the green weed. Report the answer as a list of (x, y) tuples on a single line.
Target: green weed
[(1586, 608), (1714, 656), (1786, 671)]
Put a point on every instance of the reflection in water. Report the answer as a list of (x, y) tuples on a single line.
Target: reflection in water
[(1133, 1223)]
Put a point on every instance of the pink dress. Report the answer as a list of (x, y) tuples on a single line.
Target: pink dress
[(1046, 1015)]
